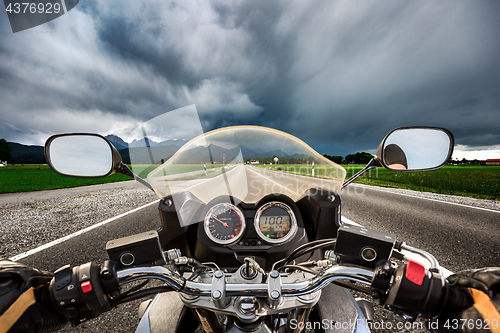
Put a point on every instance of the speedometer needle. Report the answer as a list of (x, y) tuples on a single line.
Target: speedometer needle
[(223, 223)]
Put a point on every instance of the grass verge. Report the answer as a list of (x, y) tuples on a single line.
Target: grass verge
[(481, 182), (38, 177)]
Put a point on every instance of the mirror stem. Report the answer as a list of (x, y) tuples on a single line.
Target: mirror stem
[(374, 163), (125, 170)]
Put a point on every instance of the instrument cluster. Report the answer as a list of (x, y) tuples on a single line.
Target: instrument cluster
[(274, 223)]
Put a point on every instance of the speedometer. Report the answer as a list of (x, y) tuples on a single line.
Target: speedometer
[(275, 222), (224, 223)]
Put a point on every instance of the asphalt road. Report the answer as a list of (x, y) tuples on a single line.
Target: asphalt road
[(91, 246), (250, 184), (459, 237)]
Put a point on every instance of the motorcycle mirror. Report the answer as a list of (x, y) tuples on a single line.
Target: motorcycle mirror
[(416, 149), (82, 155)]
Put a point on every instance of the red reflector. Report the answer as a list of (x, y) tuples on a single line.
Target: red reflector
[(86, 286), (415, 272)]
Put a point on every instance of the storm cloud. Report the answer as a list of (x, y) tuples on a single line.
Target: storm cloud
[(337, 74)]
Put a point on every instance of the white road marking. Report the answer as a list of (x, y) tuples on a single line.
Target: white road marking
[(210, 179), (349, 221), (344, 219), (286, 189), (424, 198), (80, 232), (65, 238), (177, 188)]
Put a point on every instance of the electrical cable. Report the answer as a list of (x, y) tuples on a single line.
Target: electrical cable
[(131, 290), (307, 263), (197, 273), (352, 286), (303, 246), (300, 268), (143, 293), (300, 253)]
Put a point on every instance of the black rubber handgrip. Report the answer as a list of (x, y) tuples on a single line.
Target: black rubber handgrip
[(51, 324), (455, 301)]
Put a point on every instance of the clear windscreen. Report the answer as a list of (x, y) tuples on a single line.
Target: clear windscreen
[(242, 163)]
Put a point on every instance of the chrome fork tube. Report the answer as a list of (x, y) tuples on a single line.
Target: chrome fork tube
[(300, 316), (208, 320)]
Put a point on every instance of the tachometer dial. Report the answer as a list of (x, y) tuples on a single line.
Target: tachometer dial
[(275, 222), (224, 223)]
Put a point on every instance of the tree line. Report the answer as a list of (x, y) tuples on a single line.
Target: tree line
[(15, 153), (282, 160), (5, 151), (358, 158)]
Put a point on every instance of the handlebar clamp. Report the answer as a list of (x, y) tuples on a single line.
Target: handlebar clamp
[(219, 290)]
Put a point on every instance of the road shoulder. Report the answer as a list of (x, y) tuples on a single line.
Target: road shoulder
[(479, 203)]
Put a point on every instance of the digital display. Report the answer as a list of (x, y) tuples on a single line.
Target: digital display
[(275, 223)]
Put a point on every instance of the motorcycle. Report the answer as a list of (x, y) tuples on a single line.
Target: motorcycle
[(251, 236)]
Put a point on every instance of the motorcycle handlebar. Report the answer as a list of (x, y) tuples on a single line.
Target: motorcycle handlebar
[(86, 291), (178, 283), (429, 298)]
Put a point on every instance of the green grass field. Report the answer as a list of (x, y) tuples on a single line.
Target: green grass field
[(37, 177), (144, 170), (481, 182)]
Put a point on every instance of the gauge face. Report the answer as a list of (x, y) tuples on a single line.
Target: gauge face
[(275, 222), (224, 223)]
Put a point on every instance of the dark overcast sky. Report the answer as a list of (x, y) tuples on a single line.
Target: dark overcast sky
[(337, 74)]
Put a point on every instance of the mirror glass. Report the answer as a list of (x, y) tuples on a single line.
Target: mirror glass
[(81, 155), (416, 149)]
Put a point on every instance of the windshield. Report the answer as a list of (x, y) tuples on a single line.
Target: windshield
[(242, 163)]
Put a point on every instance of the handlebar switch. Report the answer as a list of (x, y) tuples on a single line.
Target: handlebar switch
[(384, 270), (78, 293), (274, 289), (219, 290), (62, 277), (418, 292)]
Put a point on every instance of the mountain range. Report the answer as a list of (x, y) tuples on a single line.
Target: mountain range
[(158, 152), (23, 154), (120, 144)]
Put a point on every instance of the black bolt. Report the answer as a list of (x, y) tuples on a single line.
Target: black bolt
[(106, 275), (383, 274), (376, 294)]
